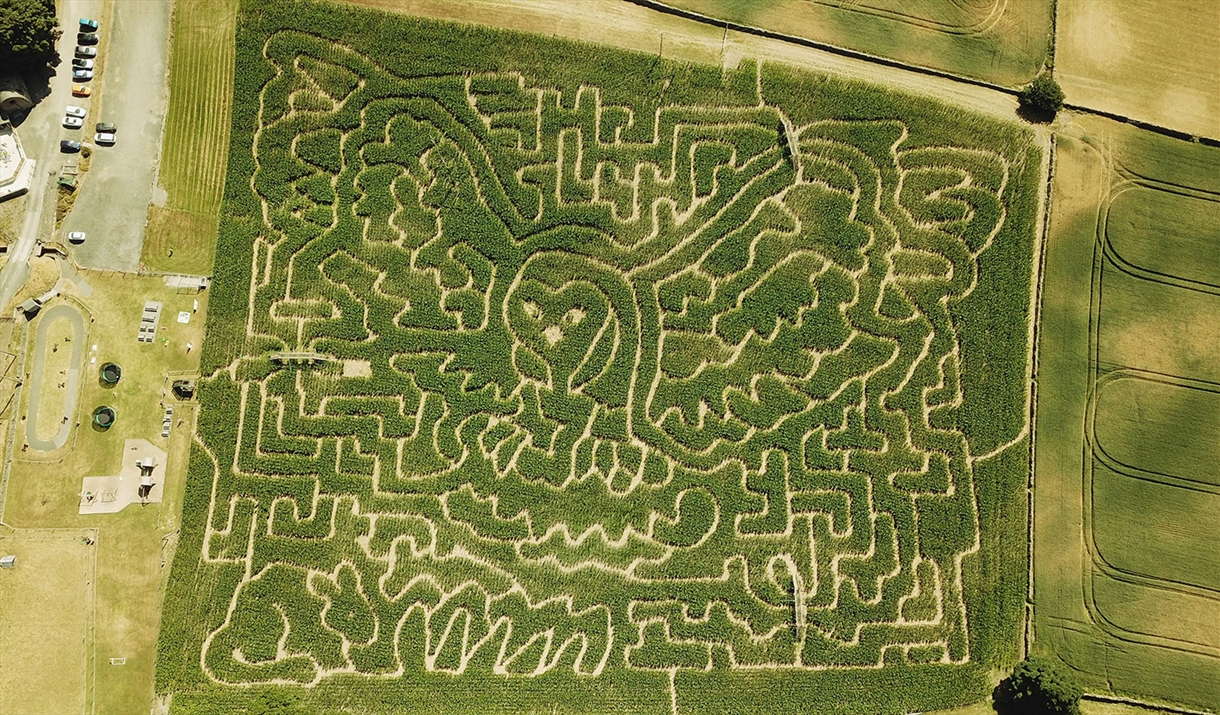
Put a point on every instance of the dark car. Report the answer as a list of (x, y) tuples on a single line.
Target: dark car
[(68, 147), (86, 38), (107, 127)]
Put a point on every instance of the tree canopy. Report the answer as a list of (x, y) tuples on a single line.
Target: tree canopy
[(1043, 97), (28, 32), (1038, 686)]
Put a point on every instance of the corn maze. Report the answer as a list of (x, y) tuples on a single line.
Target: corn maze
[(566, 389)]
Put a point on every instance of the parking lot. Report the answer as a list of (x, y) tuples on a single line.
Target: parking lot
[(112, 205)]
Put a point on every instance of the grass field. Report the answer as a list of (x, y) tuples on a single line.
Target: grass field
[(1126, 587), (181, 234), (53, 389), (44, 489), (663, 387), (47, 622), (1154, 61), (998, 41)]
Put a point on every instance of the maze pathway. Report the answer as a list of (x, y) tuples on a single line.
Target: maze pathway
[(640, 390)]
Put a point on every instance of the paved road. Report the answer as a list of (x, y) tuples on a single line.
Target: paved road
[(63, 310), (40, 134), (113, 203)]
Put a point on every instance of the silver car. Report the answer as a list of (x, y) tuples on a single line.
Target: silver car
[(73, 122), (106, 138), (82, 74)]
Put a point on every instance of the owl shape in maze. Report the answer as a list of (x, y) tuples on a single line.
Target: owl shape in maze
[(607, 386)]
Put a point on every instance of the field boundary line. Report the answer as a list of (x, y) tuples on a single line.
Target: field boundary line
[(668, 9), (815, 44), (1159, 707), (1035, 334), (11, 438)]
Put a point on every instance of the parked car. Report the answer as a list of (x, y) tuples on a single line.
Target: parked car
[(106, 138), (73, 122), (86, 38), (88, 25), (81, 90), (83, 75), (76, 237), (74, 111), (107, 127), (68, 146), (82, 64), (82, 51)]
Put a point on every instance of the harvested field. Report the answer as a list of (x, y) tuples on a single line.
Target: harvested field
[(47, 622), (1126, 581), (1146, 59), (683, 387), (994, 40)]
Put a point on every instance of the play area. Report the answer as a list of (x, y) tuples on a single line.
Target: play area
[(102, 458), (138, 481)]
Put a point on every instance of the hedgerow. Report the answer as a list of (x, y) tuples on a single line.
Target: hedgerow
[(636, 376)]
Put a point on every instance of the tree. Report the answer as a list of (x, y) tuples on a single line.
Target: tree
[(1043, 98), (1037, 686), (28, 32)]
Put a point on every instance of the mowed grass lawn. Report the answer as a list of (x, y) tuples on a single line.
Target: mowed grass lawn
[(1001, 42), (181, 235), (132, 545), (1127, 494)]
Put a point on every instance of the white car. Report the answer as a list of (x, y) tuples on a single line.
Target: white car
[(73, 122), (106, 138), (82, 74), (76, 237), (82, 63), (74, 111)]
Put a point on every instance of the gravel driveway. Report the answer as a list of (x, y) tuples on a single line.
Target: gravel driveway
[(113, 203)]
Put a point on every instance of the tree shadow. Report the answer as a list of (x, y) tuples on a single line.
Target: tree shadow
[(38, 81), (1035, 115)]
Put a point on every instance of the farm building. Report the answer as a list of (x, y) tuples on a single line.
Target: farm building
[(16, 170)]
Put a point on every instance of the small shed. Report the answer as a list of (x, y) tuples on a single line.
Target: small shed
[(8, 562), (184, 389), (30, 307)]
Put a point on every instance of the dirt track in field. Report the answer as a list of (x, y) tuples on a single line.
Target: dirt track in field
[(629, 26)]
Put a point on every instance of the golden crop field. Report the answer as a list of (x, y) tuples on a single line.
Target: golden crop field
[(1151, 60)]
